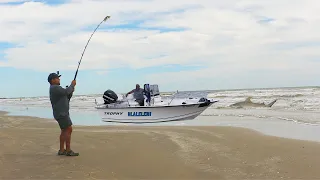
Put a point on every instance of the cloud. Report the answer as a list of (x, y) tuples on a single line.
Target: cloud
[(226, 37), (11, 1), (102, 72)]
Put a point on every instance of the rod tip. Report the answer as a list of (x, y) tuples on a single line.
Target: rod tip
[(107, 17)]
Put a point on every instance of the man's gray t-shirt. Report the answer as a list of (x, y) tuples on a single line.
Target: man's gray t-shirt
[(138, 94), (59, 98)]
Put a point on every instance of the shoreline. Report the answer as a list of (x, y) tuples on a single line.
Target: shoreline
[(102, 128), (266, 126), (151, 152)]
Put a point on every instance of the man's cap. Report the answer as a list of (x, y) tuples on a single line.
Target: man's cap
[(53, 76)]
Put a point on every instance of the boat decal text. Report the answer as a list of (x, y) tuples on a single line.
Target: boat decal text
[(113, 113), (139, 113)]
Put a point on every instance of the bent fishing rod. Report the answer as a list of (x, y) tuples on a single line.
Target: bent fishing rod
[(75, 76), (105, 19)]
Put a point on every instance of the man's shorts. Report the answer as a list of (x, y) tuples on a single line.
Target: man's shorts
[(140, 101), (64, 121)]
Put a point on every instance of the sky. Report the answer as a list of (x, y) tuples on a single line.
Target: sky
[(179, 45)]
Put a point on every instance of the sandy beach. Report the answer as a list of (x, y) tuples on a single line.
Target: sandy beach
[(29, 146)]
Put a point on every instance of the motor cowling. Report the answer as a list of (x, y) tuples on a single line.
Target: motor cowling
[(203, 99), (109, 97), (204, 102)]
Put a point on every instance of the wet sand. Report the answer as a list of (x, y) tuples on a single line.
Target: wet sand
[(29, 146)]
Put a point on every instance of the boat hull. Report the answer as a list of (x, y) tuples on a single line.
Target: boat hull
[(152, 114)]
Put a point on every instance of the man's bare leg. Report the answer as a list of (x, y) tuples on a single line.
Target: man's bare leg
[(68, 138), (69, 152), (62, 141)]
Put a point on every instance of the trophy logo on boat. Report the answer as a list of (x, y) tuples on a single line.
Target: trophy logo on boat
[(113, 113)]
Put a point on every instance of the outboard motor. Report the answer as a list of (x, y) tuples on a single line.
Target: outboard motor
[(203, 99), (205, 102), (109, 97)]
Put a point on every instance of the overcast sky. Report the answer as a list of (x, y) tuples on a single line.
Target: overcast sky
[(179, 45)]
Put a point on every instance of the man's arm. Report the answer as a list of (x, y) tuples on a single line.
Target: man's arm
[(130, 92), (58, 90), (70, 95)]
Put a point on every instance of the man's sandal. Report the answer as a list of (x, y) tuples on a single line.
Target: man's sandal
[(62, 152), (71, 153)]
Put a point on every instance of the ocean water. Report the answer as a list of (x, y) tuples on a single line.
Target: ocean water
[(295, 114)]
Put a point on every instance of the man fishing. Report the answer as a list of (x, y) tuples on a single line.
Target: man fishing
[(60, 98)]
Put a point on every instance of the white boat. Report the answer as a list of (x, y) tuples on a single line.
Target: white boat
[(156, 110)]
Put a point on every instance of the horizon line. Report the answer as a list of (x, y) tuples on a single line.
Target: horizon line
[(216, 90)]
